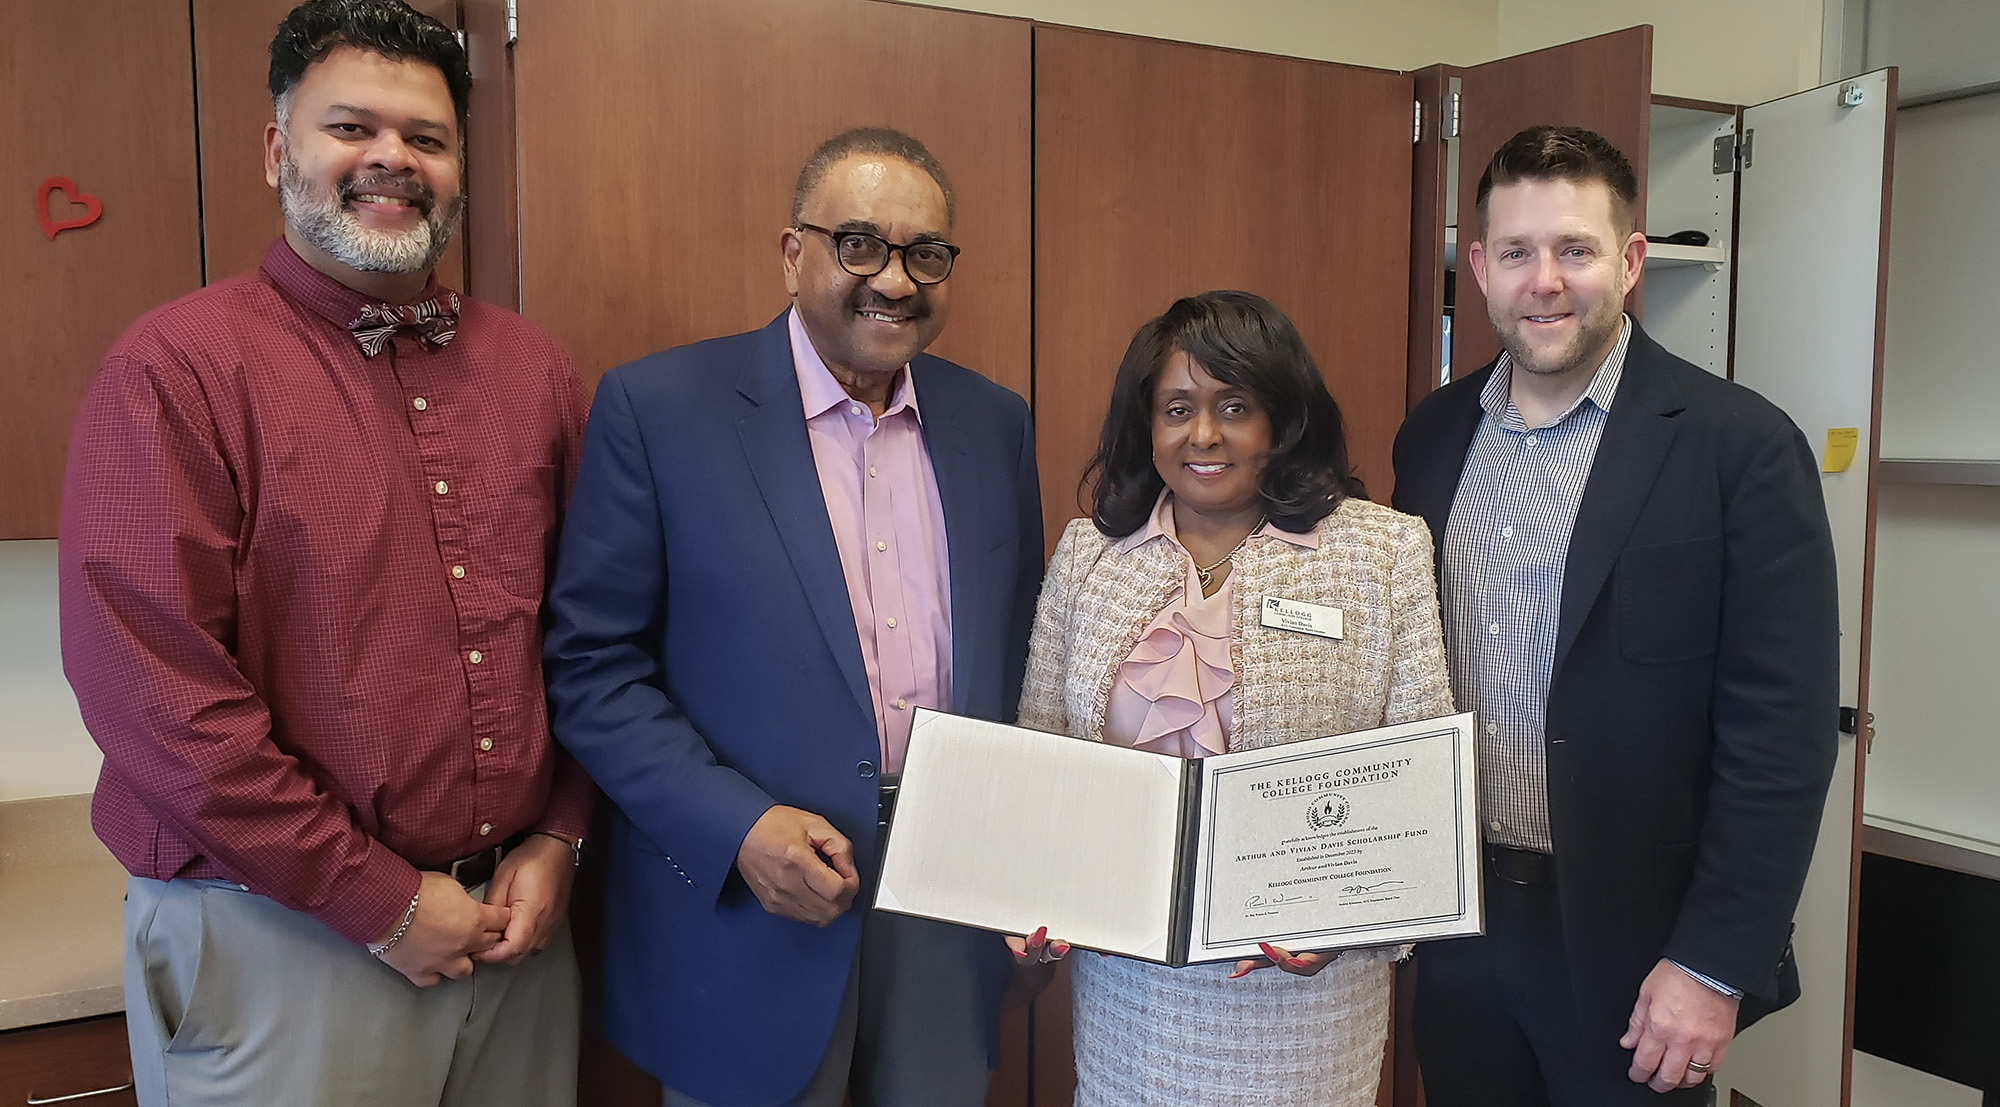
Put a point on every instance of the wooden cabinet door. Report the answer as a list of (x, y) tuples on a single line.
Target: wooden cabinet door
[(98, 92), (239, 212), (85, 1063), (1811, 288), (659, 144), (1603, 83), (1164, 169)]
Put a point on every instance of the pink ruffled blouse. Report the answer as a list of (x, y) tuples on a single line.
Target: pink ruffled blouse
[(1172, 693)]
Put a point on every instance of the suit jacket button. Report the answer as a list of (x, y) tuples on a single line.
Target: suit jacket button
[(866, 769)]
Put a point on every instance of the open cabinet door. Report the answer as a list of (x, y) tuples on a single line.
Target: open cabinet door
[(1811, 273), (1603, 83)]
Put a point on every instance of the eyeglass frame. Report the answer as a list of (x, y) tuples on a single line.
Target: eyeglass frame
[(889, 250)]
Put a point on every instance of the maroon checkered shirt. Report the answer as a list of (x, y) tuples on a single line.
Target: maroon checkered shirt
[(302, 589)]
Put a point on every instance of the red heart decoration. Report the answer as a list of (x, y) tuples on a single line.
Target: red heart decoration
[(72, 194)]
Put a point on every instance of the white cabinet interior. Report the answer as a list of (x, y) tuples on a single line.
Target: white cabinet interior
[(1686, 288), (1935, 766)]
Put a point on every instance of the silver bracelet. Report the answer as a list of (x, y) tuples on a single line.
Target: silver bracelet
[(409, 916)]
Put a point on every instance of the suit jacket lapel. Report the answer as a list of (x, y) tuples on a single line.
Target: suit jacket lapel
[(1437, 482), (950, 443), (1637, 434), (774, 441)]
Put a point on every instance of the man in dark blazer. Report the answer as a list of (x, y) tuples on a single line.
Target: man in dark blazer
[(1638, 597), (781, 543)]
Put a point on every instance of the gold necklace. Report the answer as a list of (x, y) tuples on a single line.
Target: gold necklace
[(1201, 572)]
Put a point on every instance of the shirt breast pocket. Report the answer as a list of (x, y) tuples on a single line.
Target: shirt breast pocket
[(1670, 601)]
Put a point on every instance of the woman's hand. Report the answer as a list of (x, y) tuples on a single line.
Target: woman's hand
[(1300, 964), (1036, 949)]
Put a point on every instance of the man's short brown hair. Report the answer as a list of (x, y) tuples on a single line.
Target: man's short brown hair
[(1544, 153)]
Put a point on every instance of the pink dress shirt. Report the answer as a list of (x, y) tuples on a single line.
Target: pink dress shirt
[(888, 523), (1172, 694)]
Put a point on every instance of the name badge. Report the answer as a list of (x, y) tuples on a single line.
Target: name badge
[(1306, 618)]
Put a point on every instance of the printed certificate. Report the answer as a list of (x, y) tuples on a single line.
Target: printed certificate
[(1350, 840)]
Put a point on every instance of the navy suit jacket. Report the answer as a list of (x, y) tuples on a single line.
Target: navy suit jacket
[(703, 665), (1693, 703)]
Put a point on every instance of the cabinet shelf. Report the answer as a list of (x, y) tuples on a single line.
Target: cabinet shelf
[(1665, 255), (1939, 470)]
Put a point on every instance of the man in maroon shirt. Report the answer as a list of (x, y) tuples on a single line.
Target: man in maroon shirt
[(303, 543)]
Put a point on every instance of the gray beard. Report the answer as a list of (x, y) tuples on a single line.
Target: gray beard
[(325, 221)]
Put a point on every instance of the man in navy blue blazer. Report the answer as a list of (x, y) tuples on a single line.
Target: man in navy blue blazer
[(781, 543), (1640, 601)]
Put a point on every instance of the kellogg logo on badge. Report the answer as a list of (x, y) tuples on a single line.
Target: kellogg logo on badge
[(1327, 812)]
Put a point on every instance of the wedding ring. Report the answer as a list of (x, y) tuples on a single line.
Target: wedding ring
[(1697, 1066)]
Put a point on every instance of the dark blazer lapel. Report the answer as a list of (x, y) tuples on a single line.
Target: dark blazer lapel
[(774, 441), (949, 438), (1636, 435), (1437, 481)]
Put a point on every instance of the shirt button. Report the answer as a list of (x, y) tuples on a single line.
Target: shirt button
[(485, 829), (1496, 826), (871, 470), (902, 705), (485, 744), (458, 572), (1506, 532), (1492, 728), (1493, 629), (881, 546), (442, 487), (865, 769), (892, 623), (854, 409), (420, 403), (1530, 440), (475, 657)]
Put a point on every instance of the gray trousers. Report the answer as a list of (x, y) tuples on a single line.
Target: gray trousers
[(231, 999), (912, 1026)]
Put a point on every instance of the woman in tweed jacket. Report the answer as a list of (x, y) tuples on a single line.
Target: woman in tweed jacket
[(1221, 479)]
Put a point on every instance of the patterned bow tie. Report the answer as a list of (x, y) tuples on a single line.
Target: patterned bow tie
[(435, 321)]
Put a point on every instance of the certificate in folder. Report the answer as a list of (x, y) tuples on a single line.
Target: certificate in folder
[(1360, 839)]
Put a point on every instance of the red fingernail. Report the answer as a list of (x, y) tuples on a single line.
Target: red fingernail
[(1061, 949), (1298, 962), (1020, 955), (1041, 935), (1268, 951)]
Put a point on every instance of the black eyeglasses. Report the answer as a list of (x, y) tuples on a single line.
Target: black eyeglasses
[(865, 255)]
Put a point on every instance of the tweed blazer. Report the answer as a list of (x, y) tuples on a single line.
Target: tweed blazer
[(1373, 563)]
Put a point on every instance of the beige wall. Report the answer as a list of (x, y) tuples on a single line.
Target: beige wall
[(44, 750), (1736, 51), (1404, 34)]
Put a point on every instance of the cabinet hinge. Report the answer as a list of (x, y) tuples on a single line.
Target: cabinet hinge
[(513, 22), (1416, 121), (1451, 115), (1732, 154)]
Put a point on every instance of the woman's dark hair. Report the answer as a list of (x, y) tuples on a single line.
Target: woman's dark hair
[(387, 27), (1244, 341)]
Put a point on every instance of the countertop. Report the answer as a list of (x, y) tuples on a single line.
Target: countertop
[(61, 915)]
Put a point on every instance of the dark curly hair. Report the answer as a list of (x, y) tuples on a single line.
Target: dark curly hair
[(390, 28), (1244, 341)]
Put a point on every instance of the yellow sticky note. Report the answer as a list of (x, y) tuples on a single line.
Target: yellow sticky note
[(1840, 443)]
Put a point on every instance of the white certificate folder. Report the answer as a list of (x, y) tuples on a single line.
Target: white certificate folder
[(1362, 839)]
